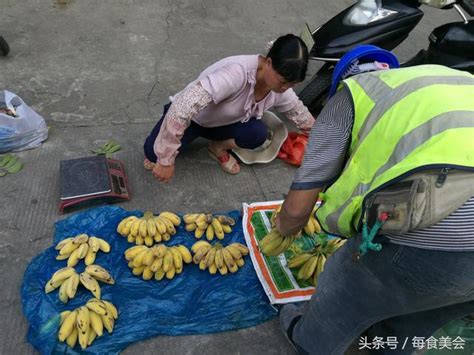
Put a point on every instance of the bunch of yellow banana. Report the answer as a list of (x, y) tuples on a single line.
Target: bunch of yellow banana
[(274, 243), (149, 229), (311, 264), (81, 247), (87, 322), (159, 260), (67, 279), (206, 223), (219, 258)]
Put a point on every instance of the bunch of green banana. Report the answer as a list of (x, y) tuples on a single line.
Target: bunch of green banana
[(81, 247), (158, 261), (87, 322), (10, 164), (67, 279), (149, 229), (274, 243), (312, 263), (219, 258), (206, 223)]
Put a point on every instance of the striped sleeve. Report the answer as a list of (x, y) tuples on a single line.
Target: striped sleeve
[(328, 142)]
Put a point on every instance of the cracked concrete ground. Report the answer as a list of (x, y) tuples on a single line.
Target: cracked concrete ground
[(97, 70)]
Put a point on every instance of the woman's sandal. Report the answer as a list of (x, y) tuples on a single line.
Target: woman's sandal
[(227, 162), (148, 165)]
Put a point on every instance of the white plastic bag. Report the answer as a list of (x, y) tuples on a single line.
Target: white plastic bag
[(21, 127)]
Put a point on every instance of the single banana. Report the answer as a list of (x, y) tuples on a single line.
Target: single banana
[(63, 243), (51, 286), (243, 249), (190, 218), (138, 260), (99, 273), (159, 275), (135, 228), (142, 229), (219, 259), (198, 233), (62, 274), (139, 240), (74, 257), (172, 217), (210, 257), (124, 226), (67, 326), (108, 322), (96, 323), (83, 320), (198, 244), (217, 228), (234, 268), (170, 273), (167, 261), (177, 259), (132, 252), (68, 248), (97, 307), (240, 262), (298, 260), (71, 340), (160, 226), (149, 257), (185, 254), (156, 265), (223, 269), (228, 259), (148, 241), (72, 284), (80, 239), (170, 229), (94, 244), (147, 273), (226, 229), (234, 251), (166, 237), (157, 238), (63, 297), (92, 336), (212, 269), (160, 250), (191, 227), (103, 245), (90, 283), (199, 254), (209, 232), (151, 227), (137, 271), (131, 238), (90, 257), (64, 315), (111, 308)]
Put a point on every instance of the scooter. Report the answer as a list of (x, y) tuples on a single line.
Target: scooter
[(386, 23)]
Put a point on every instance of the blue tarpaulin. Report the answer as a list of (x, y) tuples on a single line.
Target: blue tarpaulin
[(194, 302)]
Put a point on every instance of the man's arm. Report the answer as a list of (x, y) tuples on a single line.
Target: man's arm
[(296, 209)]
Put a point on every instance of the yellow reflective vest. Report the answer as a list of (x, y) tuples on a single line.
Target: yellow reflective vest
[(405, 120)]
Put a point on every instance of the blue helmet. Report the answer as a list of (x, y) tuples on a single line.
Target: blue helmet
[(349, 63)]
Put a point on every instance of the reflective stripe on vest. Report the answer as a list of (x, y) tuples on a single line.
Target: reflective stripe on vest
[(404, 119)]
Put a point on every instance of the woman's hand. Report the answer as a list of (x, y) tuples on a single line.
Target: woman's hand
[(163, 173)]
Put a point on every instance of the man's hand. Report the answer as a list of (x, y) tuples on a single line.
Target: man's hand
[(295, 211), (163, 173)]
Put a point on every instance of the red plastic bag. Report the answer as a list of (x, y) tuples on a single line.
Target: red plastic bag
[(293, 148)]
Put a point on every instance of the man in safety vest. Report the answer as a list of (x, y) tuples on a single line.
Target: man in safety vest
[(393, 149)]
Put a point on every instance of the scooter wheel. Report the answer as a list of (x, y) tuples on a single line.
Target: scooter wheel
[(4, 47), (314, 95)]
